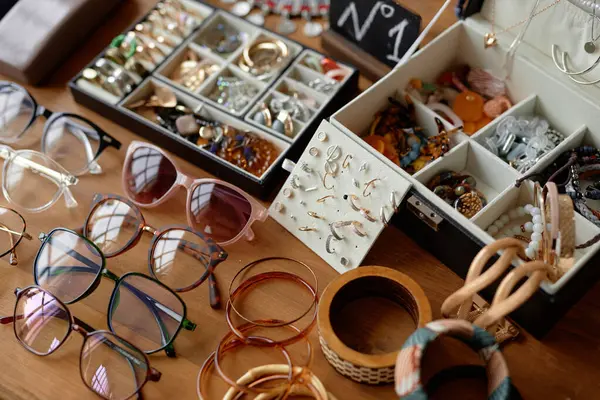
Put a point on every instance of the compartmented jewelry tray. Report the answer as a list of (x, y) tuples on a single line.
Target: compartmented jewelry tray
[(444, 227), (220, 92)]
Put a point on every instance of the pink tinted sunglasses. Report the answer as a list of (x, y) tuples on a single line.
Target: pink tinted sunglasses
[(215, 208)]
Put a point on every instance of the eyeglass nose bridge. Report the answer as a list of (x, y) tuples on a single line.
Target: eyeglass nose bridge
[(149, 229)]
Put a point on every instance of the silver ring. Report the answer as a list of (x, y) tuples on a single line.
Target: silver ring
[(333, 152), (322, 136), (313, 151), (328, 244), (334, 233), (382, 216), (351, 197), (287, 192), (395, 205), (293, 182)]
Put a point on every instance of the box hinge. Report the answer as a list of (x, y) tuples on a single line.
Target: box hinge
[(424, 213)]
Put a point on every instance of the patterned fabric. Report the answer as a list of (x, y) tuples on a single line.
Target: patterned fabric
[(408, 364)]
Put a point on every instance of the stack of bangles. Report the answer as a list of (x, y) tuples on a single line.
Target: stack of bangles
[(283, 379)]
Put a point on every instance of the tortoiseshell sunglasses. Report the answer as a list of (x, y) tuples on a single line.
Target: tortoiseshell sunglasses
[(12, 230)]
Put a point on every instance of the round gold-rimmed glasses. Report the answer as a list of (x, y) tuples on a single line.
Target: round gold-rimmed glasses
[(12, 230)]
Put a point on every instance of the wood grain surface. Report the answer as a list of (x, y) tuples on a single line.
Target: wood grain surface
[(565, 365)]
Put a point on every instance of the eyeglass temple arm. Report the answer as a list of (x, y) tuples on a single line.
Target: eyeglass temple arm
[(63, 180)]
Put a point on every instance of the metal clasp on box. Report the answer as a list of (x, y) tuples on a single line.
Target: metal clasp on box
[(424, 213)]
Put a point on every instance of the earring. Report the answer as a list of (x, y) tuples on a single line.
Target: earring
[(328, 244), (369, 184), (347, 160), (351, 199)]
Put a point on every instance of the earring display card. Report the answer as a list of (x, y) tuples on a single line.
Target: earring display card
[(338, 198), (215, 61)]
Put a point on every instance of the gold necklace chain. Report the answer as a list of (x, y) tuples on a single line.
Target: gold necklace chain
[(491, 40)]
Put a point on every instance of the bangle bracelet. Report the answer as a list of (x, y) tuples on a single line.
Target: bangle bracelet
[(230, 345), (248, 285), (281, 275), (410, 360), (356, 284), (230, 342), (306, 382)]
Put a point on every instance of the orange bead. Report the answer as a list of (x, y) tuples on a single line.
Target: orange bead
[(469, 106), (469, 128), (376, 143), (482, 123)]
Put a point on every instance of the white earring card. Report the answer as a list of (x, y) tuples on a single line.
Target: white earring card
[(338, 198)]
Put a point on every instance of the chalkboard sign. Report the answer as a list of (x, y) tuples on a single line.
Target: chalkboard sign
[(382, 28)]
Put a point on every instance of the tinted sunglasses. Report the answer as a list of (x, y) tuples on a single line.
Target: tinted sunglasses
[(218, 209), (109, 365), (116, 225), (142, 310), (71, 140)]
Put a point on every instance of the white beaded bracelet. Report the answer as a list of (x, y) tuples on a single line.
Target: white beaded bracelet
[(535, 226)]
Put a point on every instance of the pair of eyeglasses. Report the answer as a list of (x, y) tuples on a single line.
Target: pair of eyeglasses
[(73, 141), (116, 225), (218, 209), (141, 309), (33, 181), (110, 366), (12, 230)]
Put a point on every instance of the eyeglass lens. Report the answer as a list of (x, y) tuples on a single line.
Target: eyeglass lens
[(145, 313), (16, 112), (72, 142), (111, 367), (67, 265)]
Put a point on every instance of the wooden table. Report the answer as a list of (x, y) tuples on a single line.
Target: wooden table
[(564, 366)]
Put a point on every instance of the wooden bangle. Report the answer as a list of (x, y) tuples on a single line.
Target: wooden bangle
[(359, 283)]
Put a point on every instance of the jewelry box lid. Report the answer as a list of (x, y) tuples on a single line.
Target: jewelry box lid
[(565, 27)]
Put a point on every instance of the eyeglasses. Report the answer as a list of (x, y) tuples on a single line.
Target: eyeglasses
[(12, 230), (142, 310), (218, 209), (72, 140), (116, 225), (110, 366), (33, 181)]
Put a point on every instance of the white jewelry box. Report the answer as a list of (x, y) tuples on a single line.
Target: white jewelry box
[(537, 87)]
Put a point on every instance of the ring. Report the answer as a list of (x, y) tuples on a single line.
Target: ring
[(322, 136), (322, 199), (367, 214), (287, 193), (314, 215), (334, 233), (346, 162), (295, 185), (328, 244), (313, 151), (325, 184), (306, 229), (333, 152), (395, 204), (370, 183), (356, 228), (382, 216), (330, 168), (352, 205)]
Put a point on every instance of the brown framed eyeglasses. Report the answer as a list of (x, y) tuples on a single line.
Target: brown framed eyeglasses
[(109, 365), (12, 230)]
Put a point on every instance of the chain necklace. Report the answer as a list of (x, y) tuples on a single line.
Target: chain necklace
[(491, 39)]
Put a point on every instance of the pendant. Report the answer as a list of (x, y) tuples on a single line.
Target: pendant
[(489, 40)]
